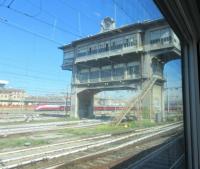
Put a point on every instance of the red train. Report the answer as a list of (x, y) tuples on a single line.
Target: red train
[(50, 108), (62, 108)]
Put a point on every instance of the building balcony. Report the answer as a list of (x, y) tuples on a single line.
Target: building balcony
[(106, 79), (67, 64), (160, 46), (112, 51)]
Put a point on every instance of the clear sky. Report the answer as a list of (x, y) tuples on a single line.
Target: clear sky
[(32, 30)]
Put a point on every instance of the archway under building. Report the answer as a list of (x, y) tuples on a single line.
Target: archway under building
[(92, 104), (88, 99)]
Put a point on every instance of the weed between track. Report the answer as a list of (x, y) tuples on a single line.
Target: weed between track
[(21, 141), (107, 128)]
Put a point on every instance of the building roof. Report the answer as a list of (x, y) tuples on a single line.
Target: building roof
[(3, 82), (136, 26), (46, 98), (10, 90)]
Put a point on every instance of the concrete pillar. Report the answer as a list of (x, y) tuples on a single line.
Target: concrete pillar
[(146, 65), (163, 104), (82, 103), (74, 103), (85, 104), (158, 102)]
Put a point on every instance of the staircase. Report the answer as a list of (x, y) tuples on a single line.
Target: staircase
[(148, 84)]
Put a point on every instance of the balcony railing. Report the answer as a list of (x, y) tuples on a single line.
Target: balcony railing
[(163, 45), (122, 49), (112, 78), (105, 52)]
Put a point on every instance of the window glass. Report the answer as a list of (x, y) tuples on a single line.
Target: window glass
[(89, 84)]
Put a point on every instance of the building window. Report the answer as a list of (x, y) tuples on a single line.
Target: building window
[(94, 75), (83, 76), (106, 73), (119, 71)]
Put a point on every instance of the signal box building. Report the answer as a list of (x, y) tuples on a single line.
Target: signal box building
[(124, 58)]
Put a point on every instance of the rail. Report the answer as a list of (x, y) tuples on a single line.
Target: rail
[(114, 142), (151, 160)]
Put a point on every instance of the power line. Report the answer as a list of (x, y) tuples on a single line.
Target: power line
[(40, 10), (25, 69), (51, 15), (73, 8), (144, 7), (32, 77), (42, 21), (11, 2), (124, 11), (6, 22)]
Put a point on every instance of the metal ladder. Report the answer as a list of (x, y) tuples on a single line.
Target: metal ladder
[(132, 103)]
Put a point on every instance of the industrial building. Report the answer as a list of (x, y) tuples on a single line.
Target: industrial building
[(131, 57)]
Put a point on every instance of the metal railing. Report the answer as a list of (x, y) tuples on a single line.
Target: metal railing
[(148, 84), (121, 50)]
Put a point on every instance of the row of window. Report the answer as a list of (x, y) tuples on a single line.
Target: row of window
[(165, 40), (9, 96), (161, 36), (128, 41), (108, 74)]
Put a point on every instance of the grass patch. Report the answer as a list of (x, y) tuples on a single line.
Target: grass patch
[(108, 128), (142, 123), (68, 118), (20, 142), (35, 121), (100, 129)]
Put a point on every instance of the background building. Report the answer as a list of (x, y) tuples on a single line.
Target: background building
[(12, 97)]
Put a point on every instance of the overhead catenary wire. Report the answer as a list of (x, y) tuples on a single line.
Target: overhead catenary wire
[(79, 11), (32, 76), (44, 22), (40, 10), (6, 22), (11, 2), (122, 9), (29, 70), (52, 15), (143, 6), (39, 87)]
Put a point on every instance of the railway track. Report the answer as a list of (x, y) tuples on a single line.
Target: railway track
[(167, 156), (30, 128), (45, 156)]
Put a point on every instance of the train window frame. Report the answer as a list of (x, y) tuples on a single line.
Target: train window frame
[(183, 17)]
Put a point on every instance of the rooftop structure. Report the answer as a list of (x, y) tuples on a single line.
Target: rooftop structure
[(3, 83)]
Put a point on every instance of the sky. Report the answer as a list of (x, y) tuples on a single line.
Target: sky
[(32, 30)]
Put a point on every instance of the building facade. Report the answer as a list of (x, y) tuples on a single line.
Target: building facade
[(12, 97)]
